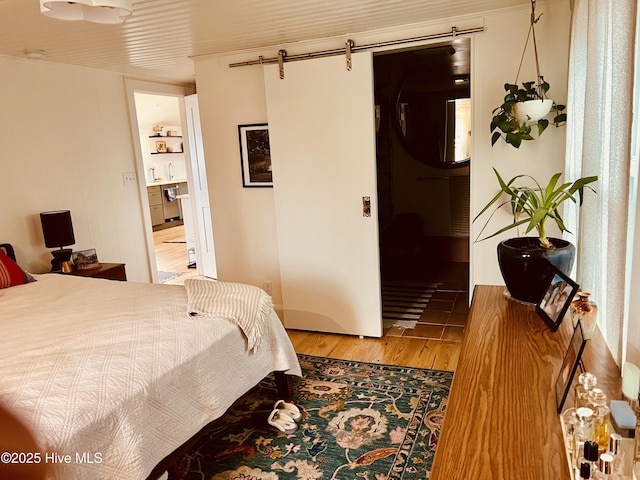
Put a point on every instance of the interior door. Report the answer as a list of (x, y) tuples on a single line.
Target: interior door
[(322, 139), (199, 192)]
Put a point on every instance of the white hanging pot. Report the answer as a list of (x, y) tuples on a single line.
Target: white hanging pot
[(533, 110)]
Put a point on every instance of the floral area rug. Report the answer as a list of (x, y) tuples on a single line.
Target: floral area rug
[(360, 421)]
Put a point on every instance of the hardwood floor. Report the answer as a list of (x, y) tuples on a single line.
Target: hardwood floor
[(171, 254), (435, 343), (403, 351)]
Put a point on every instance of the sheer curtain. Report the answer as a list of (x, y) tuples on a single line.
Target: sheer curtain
[(599, 105)]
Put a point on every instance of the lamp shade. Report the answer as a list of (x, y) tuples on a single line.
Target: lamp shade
[(96, 11), (57, 228)]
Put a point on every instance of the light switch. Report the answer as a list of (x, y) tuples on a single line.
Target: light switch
[(129, 178)]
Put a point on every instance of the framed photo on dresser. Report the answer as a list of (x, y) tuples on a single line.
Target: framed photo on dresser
[(570, 365), (553, 305)]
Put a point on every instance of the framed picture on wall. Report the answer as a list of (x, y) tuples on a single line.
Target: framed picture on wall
[(255, 155)]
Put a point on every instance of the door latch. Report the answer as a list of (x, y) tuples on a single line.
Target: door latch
[(366, 206)]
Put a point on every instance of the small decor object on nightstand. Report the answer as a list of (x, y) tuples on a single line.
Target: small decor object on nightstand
[(86, 259)]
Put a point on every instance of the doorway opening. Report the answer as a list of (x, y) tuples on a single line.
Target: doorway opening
[(165, 164), (423, 150)]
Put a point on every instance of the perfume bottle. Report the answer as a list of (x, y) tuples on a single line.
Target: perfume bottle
[(569, 422), (605, 467), (597, 401), (615, 449), (586, 381), (590, 458), (585, 471), (583, 432)]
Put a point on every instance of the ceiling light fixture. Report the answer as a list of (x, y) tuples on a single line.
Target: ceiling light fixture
[(96, 11)]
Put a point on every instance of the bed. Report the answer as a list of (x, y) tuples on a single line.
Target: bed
[(118, 375)]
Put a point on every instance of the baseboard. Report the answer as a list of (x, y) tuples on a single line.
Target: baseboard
[(172, 223)]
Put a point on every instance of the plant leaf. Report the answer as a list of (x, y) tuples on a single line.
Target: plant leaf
[(504, 229), (543, 123), (553, 181), (544, 87), (514, 139), (537, 218)]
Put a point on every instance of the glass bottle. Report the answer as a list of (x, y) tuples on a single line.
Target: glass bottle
[(569, 422), (597, 401), (605, 467), (583, 432), (590, 457), (585, 471), (615, 449), (586, 381)]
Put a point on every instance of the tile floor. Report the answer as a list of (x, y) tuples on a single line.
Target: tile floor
[(447, 311)]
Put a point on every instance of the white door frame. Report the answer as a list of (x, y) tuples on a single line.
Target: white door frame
[(132, 87)]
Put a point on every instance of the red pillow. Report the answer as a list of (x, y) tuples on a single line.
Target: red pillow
[(10, 273)]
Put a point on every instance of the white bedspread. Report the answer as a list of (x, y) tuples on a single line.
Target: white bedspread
[(121, 370)]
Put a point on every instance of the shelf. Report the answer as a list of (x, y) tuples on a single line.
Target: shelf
[(165, 136), (165, 153)]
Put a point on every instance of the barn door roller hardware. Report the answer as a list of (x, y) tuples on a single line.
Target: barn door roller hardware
[(350, 48), (281, 56), (349, 45)]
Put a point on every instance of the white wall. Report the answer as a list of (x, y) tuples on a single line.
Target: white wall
[(65, 143), (243, 219), (495, 57)]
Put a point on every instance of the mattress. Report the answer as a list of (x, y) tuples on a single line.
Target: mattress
[(117, 375)]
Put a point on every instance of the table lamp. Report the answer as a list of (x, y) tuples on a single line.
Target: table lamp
[(58, 232)]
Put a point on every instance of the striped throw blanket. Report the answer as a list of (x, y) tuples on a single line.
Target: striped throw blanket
[(250, 307)]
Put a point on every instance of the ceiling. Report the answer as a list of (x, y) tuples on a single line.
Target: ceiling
[(160, 38)]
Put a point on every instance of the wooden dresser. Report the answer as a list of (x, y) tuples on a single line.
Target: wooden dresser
[(501, 421)]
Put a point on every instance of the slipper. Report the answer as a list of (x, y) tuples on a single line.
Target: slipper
[(288, 408), (282, 422)]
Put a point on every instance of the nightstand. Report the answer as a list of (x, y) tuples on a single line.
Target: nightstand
[(110, 271)]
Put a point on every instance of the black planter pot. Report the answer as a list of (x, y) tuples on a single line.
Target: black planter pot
[(525, 268)]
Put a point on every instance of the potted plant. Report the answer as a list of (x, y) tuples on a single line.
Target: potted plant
[(527, 105), (523, 260), (522, 108)]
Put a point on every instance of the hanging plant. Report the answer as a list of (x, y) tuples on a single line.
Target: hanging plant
[(527, 105)]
